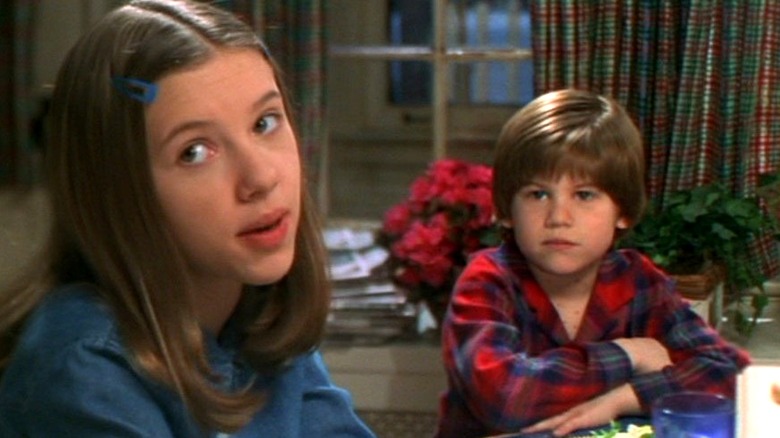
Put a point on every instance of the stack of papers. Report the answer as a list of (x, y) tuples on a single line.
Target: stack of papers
[(367, 307)]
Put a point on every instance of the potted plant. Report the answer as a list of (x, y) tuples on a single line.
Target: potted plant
[(702, 236), (447, 216)]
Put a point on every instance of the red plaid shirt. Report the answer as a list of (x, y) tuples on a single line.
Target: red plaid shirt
[(510, 362)]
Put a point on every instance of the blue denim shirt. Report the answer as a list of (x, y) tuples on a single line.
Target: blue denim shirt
[(70, 376)]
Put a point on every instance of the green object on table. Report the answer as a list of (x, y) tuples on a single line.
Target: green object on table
[(615, 431)]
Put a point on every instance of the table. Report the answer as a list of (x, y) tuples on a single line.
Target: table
[(624, 422)]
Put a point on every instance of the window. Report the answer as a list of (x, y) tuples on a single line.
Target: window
[(474, 24), (415, 80)]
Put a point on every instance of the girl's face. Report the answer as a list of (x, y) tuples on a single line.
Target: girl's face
[(226, 169), (565, 226)]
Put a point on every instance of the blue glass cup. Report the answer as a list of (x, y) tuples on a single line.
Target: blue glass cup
[(693, 414)]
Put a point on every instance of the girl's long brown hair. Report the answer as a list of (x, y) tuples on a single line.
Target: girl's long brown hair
[(107, 224)]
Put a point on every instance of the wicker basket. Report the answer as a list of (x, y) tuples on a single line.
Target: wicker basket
[(700, 286)]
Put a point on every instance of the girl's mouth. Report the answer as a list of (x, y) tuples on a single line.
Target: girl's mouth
[(266, 234)]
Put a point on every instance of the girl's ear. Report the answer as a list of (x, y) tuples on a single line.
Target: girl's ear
[(505, 223), (622, 223)]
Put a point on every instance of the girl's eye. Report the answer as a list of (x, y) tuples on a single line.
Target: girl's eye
[(267, 123), (195, 154)]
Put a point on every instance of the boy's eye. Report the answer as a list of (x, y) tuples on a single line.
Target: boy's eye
[(195, 154), (537, 194), (267, 123), (586, 194)]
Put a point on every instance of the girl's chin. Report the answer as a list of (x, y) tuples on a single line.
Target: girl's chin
[(269, 272)]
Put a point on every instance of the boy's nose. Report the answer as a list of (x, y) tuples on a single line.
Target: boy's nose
[(559, 213)]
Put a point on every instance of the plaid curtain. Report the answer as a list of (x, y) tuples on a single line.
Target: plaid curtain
[(295, 35), (17, 149), (700, 77)]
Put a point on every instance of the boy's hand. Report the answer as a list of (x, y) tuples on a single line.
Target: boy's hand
[(646, 354), (595, 412)]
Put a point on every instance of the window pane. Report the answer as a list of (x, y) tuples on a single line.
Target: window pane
[(476, 24), (411, 22), (494, 23), (410, 83), (491, 83)]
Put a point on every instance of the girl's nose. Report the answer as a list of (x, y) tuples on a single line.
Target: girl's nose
[(257, 172)]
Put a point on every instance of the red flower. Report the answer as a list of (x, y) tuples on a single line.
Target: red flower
[(448, 215), (397, 219)]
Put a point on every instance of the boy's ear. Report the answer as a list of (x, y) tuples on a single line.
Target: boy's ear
[(622, 223), (506, 223)]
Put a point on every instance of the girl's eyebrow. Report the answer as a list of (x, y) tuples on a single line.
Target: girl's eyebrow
[(184, 127), (267, 97), (194, 124)]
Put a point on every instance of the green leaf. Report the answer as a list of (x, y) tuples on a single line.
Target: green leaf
[(614, 429), (723, 232), (760, 301), (707, 223), (690, 213)]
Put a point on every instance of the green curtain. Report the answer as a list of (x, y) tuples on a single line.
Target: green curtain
[(18, 152), (700, 77), (295, 35)]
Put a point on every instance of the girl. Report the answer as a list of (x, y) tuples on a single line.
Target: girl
[(184, 292)]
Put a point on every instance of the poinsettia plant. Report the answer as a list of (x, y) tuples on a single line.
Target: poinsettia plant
[(447, 216)]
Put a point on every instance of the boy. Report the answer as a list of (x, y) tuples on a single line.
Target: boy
[(555, 330)]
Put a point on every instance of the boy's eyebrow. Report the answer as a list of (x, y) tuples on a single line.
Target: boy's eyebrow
[(546, 182), (193, 124)]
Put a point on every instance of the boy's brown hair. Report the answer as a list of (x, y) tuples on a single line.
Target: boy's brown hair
[(571, 132)]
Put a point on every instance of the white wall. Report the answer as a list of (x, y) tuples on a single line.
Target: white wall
[(24, 221), (58, 25)]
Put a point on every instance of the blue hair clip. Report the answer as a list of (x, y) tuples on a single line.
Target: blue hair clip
[(137, 89)]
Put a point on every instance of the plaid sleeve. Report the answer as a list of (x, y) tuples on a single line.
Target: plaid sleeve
[(489, 340), (702, 359)]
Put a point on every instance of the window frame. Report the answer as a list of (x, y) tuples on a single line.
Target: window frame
[(441, 56)]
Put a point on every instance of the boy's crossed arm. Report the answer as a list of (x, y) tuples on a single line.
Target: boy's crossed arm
[(647, 355)]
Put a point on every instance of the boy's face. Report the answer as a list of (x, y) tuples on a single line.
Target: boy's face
[(564, 227)]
